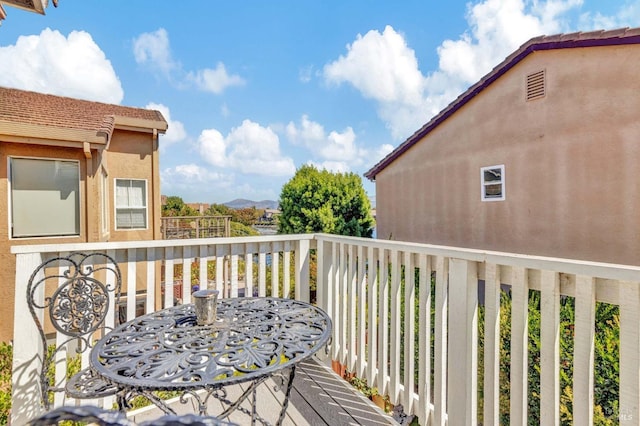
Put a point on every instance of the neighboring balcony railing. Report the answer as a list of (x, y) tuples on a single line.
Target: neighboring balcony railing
[(186, 227), (402, 313)]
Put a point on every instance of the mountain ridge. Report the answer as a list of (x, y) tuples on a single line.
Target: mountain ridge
[(242, 203)]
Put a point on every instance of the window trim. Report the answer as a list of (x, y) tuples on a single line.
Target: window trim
[(484, 184), (115, 204), (10, 199)]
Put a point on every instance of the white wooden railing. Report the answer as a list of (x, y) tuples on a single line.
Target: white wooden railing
[(368, 287)]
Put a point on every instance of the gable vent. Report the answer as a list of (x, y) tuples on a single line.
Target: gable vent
[(535, 85)]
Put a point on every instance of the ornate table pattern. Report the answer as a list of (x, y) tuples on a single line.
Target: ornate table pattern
[(252, 339)]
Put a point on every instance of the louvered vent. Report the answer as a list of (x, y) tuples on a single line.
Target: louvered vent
[(535, 85)]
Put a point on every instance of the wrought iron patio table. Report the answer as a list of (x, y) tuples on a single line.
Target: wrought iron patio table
[(252, 340)]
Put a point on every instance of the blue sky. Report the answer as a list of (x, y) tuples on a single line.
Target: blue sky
[(253, 90)]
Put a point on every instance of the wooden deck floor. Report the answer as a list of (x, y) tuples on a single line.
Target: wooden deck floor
[(319, 397)]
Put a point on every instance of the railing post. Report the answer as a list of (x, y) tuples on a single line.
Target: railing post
[(492, 344), (583, 349), (440, 344), (629, 412), (462, 380), (302, 271), (27, 362)]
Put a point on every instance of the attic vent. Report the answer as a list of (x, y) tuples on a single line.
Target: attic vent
[(535, 85)]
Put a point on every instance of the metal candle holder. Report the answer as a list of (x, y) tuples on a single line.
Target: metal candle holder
[(205, 302)]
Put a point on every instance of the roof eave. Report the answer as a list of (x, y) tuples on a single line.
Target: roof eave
[(563, 41), (49, 135), (140, 124)]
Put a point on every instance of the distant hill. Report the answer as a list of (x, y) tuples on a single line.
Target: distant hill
[(241, 203)]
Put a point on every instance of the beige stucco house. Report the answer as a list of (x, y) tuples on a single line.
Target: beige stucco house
[(541, 156), (73, 171)]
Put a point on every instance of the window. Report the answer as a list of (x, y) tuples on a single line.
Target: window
[(131, 204), (45, 197), (492, 179), (104, 201)]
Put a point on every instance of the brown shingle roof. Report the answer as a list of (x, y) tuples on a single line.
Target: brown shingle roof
[(19, 106), (558, 41)]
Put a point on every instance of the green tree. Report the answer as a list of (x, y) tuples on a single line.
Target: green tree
[(321, 201), (176, 207)]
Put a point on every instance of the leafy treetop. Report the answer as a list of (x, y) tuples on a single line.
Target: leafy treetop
[(321, 201)]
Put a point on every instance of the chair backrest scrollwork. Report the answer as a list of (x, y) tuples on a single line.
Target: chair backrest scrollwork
[(72, 295)]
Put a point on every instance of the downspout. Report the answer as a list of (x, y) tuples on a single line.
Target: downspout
[(155, 174), (86, 148)]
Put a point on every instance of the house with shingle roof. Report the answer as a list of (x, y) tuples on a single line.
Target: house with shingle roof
[(541, 156), (73, 171)]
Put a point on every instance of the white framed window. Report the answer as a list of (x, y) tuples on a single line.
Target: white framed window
[(44, 197), (104, 201), (492, 183), (131, 203)]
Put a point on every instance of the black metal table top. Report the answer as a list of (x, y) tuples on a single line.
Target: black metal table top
[(252, 337)]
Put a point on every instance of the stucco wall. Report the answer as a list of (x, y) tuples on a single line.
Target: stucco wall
[(571, 161), (131, 156)]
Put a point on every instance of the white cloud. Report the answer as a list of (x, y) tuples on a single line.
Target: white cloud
[(391, 74), (332, 166), (336, 151), (628, 15), (191, 179), (175, 132), (153, 49), (384, 68), (305, 74), (215, 80), (250, 148), (71, 66)]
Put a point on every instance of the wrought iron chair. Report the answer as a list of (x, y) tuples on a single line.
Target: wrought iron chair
[(67, 292), (85, 413), (103, 417)]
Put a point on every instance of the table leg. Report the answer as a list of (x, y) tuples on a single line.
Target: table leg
[(285, 403)]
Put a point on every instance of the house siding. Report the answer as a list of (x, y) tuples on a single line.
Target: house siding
[(127, 154), (571, 161)]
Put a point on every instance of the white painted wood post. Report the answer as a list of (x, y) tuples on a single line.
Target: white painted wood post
[(424, 341), (409, 331), (362, 313), (132, 282), (151, 280), (492, 344), (519, 346), (27, 346), (440, 349), (583, 350), (187, 260), (275, 271), (383, 328), (351, 307), (262, 271), (629, 353), (302, 271), (462, 376), (203, 273), (372, 293), (550, 349), (394, 351)]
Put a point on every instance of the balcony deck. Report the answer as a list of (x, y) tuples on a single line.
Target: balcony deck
[(319, 397)]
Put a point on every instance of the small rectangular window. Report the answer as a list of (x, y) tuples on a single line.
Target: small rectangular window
[(45, 197), (131, 204), (492, 183)]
